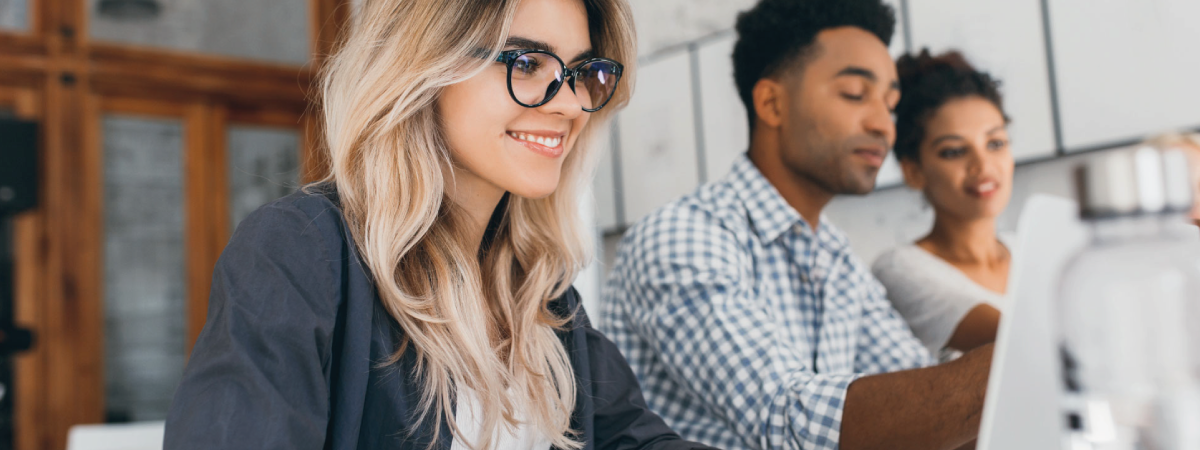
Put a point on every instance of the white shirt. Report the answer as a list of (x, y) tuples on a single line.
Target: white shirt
[(468, 416), (932, 295)]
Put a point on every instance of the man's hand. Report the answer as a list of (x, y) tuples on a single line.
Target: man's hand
[(932, 408)]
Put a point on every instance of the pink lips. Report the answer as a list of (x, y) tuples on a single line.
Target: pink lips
[(985, 189), (542, 142)]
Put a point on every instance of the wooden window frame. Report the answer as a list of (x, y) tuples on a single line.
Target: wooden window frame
[(54, 74)]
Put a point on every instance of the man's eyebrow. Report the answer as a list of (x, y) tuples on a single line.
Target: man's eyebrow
[(855, 71)]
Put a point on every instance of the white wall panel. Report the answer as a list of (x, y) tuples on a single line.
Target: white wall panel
[(890, 174), (658, 138), (1125, 68), (725, 129), (604, 188), (1006, 40)]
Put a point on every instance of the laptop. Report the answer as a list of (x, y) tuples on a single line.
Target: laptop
[(1022, 406)]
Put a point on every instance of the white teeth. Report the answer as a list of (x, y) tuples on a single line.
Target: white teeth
[(540, 140), (987, 187)]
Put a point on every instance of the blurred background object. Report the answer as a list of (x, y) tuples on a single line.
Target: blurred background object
[(128, 9), (164, 122), (139, 436), (1129, 380), (18, 193)]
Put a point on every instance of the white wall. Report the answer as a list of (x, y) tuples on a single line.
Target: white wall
[(667, 23)]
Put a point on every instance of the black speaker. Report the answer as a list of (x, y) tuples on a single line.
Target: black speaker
[(18, 166)]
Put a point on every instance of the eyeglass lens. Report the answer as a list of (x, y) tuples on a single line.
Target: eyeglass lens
[(536, 76)]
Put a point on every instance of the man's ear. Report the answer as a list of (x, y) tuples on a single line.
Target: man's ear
[(770, 102), (912, 174)]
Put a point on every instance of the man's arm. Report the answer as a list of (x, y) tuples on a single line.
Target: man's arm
[(903, 405), (931, 408)]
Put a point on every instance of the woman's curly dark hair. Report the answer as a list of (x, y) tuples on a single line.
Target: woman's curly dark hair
[(775, 33), (926, 83)]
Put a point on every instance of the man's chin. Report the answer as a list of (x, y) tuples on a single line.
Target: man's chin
[(862, 186), (861, 191)]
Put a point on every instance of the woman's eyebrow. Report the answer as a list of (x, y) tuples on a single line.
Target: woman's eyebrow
[(530, 44), (946, 137), (586, 54), (534, 44)]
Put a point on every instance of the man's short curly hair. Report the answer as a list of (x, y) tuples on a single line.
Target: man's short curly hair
[(778, 34), (926, 83)]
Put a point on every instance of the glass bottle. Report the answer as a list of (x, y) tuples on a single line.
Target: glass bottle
[(1128, 377)]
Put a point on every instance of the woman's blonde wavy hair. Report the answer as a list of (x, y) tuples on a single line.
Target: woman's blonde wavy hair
[(478, 321)]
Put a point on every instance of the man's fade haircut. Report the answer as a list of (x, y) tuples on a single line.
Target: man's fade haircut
[(777, 34)]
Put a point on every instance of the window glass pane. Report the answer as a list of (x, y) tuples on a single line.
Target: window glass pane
[(267, 30), (14, 15), (264, 164), (144, 286)]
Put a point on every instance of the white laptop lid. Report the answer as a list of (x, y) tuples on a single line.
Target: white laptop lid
[(1021, 409)]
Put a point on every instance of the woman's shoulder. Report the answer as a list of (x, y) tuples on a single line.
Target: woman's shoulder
[(901, 257), (297, 241), (318, 201), (911, 270), (311, 212), (301, 237)]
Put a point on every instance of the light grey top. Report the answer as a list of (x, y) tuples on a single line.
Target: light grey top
[(932, 295)]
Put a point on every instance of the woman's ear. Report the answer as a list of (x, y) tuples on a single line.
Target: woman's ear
[(913, 176)]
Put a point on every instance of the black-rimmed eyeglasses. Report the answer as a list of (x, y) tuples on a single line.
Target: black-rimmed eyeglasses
[(535, 76)]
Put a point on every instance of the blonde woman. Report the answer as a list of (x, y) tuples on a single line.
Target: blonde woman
[(420, 296)]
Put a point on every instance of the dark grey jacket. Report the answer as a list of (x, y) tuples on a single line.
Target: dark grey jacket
[(289, 356)]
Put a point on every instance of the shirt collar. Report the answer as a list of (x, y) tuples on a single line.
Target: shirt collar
[(770, 214)]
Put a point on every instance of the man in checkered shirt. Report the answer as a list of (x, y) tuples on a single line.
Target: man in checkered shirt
[(749, 322)]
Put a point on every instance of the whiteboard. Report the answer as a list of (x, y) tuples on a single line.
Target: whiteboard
[(658, 138), (1006, 40), (726, 129), (1125, 68)]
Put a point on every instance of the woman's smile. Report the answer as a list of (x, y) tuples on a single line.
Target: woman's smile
[(546, 143)]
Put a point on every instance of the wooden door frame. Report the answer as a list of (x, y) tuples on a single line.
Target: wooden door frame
[(68, 82)]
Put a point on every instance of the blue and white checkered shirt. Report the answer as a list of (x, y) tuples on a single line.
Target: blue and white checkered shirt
[(743, 325)]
